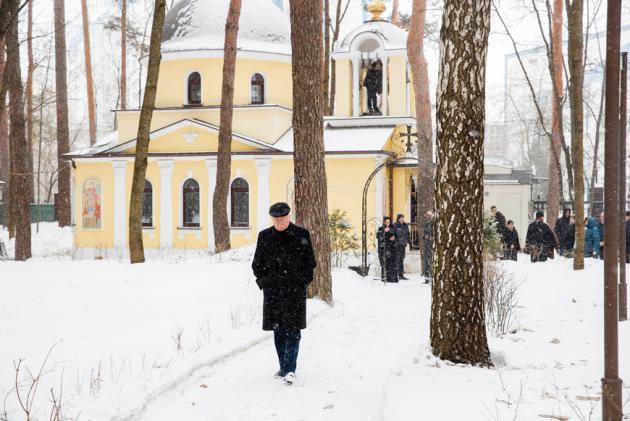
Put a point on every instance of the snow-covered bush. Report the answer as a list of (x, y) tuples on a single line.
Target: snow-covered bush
[(342, 238), (501, 297)]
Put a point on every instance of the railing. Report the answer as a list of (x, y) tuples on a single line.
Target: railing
[(414, 229), (42, 212)]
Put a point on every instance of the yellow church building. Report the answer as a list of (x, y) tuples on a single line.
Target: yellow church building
[(182, 162)]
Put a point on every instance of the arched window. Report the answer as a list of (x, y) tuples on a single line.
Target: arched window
[(194, 88), (91, 204), (239, 193), (258, 89), (147, 205), (190, 193)]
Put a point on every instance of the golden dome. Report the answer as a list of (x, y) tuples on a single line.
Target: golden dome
[(376, 8)]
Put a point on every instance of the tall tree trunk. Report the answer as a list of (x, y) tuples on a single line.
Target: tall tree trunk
[(220, 221), (123, 56), (576, 86), (29, 95), (394, 18), (420, 77), (458, 329), (19, 147), (311, 197), (555, 66), (63, 204), (4, 136), (594, 172), (89, 82), (136, 247), (327, 52)]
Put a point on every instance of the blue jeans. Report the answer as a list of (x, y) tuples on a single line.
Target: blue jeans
[(287, 346)]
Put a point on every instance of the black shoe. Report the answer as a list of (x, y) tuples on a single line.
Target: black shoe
[(279, 375), (402, 277)]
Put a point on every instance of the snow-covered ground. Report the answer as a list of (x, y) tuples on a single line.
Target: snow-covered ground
[(180, 338)]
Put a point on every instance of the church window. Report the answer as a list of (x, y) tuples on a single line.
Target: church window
[(239, 193), (258, 89), (147, 205), (191, 204), (194, 88)]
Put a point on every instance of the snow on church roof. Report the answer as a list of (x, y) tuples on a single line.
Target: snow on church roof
[(391, 36), (200, 25)]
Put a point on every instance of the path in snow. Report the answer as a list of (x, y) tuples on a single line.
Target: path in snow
[(346, 356)]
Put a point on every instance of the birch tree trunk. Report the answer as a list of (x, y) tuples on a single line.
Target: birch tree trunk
[(63, 204), (19, 147), (553, 189), (420, 78), (458, 331), (123, 56), (220, 220), (89, 82), (136, 247), (311, 195), (29, 96), (576, 86)]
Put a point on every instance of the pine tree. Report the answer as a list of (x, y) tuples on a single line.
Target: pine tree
[(89, 82), (458, 331), (424, 126), (220, 220), (22, 191), (136, 247), (63, 205), (311, 197)]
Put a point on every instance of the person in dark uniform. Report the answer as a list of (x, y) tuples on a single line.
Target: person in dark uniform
[(283, 264), (390, 249), (380, 237), (540, 241), (373, 82), (511, 243), (403, 237)]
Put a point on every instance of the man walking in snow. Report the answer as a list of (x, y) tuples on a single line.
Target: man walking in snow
[(540, 241), (562, 230), (283, 265)]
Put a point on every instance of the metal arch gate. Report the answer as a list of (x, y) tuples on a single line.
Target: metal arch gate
[(363, 269)]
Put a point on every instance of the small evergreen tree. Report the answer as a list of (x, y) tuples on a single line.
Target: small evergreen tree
[(342, 239), (491, 237)]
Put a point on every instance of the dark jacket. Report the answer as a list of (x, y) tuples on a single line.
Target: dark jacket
[(403, 237), (386, 244), (283, 265), (569, 239), (591, 240), (562, 228), (427, 231), (510, 238), (501, 224), (540, 238), (374, 80)]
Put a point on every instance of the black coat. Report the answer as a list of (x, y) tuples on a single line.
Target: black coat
[(386, 245), (403, 237), (562, 229), (569, 239), (283, 265), (510, 238), (501, 224), (374, 80), (540, 238)]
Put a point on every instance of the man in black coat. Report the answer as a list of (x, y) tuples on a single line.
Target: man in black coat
[(562, 229), (511, 243), (403, 237), (283, 265), (540, 241), (501, 223)]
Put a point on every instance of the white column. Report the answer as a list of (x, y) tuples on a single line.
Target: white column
[(120, 205), (263, 168), (356, 88), (166, 203), (378, 194), (385, 104), (212, 181)]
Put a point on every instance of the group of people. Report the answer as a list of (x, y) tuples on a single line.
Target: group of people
[(542, 242), (392, 241)]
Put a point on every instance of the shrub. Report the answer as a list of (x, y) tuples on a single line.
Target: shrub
[(491, 237), (501, 297), (342, 237)]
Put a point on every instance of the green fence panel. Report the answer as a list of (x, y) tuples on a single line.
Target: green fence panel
[(46, 213)]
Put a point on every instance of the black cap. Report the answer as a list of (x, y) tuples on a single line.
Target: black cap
[(539, 214), (279, 209)]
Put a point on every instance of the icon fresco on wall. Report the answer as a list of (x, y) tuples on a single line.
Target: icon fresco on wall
[(92, 204)]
